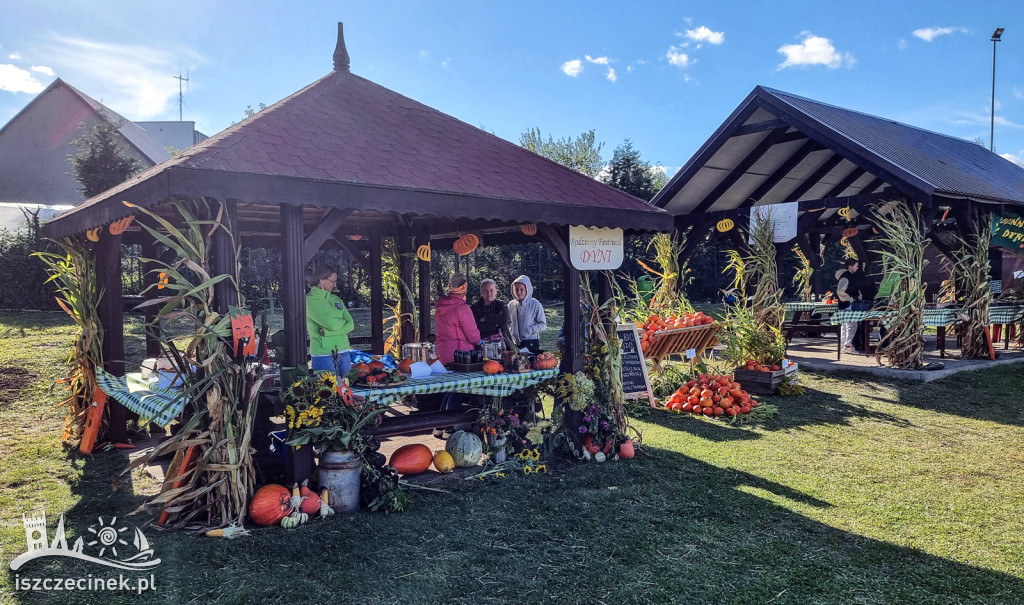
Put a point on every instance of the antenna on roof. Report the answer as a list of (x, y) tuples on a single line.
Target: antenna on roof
[(181, 97), (341, 61)]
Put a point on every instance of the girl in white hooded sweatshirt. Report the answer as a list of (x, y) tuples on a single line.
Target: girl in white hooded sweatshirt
[(526, 315)]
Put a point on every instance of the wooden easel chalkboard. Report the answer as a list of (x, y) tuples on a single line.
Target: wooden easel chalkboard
[(635, 382)]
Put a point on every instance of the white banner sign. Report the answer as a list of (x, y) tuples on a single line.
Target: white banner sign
[(783, 220), (592, 249)]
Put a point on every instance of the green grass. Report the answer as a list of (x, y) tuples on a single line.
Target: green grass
[(861, 491)]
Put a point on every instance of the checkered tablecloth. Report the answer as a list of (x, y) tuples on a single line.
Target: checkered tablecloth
[(144, 398), (810, 306), (475, 383), (934, 318)]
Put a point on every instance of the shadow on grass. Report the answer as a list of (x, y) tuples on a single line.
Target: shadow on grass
[(664, 528)]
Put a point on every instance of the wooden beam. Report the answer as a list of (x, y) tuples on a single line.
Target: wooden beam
[(848, 180), (406, 256), (815, 178), (780, 173), (152, 329), (572, 358), (225, 293), (760, 127), (376, 295), (353, 250), (694, 237), (331, 222), (558, 238), (293, 269), (423, 275), (740, 169), (111, 316)]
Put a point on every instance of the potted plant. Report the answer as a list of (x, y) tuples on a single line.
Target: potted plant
[(322, 412)]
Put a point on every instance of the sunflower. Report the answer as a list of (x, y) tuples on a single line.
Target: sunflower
[(298, 390), (324, 392), (527, 470), (289, 411), (541, 469), (329, 380)]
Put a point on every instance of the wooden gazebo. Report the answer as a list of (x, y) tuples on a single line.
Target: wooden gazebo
[(777, 148), (345, 157)]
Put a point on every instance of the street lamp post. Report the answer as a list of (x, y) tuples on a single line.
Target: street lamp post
[(996, 35)]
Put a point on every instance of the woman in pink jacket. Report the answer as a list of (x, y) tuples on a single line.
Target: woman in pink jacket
[(454, 325)]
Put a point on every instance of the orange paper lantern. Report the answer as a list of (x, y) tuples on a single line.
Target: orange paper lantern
[(851, 232), (530, 229), (466, 244)]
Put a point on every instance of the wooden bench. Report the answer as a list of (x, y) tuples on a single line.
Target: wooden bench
[(810, 327), (414, 421)]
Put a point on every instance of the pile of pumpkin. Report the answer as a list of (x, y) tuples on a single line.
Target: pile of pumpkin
[(656, 323), (275, 504), (712, 396), (753, 365), (374, 373), (463, 449)]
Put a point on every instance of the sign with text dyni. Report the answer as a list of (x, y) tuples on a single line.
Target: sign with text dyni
[(594, 249)]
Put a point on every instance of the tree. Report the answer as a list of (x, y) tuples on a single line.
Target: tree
[(581, 154), (629, 173), (101, 162)]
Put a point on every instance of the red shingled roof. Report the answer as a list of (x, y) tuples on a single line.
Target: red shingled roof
[(345, 131)]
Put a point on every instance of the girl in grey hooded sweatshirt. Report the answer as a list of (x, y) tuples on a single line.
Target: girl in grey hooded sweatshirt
[(526, 315)]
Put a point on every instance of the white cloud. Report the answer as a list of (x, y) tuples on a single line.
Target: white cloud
[(46, 71), (629, 69), (133, 80), (16, 79), (677, 57), (814, 50), (1018, 92), (598, 60), (572, 68), (14, 56), (703, 34), (930, 33), (982, 119), (1013, 158), (903, 44), (446, 62), (611, 75), (423, 55)]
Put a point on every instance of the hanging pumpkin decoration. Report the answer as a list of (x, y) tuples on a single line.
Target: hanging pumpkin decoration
[(161, 281), (725, 224), (944, 215), (844, 212), (466, 244), (118, 227), (844, 242), (530, 229), (851, 232), (93, 235), (355, 237), (423, 253)]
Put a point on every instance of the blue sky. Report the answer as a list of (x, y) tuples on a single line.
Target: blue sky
[(663, 74)]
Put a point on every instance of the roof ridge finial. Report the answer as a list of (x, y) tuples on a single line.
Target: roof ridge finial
[(341, 61)]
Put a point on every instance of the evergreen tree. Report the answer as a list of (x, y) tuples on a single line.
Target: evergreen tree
[(101, 162), (629, 173)]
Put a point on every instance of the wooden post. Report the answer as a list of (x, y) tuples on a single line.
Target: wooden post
[(376, 296), (223, 262), (572, 359), (292, 292), (406, 249), (424, 288), (152, 330), (108, 281)]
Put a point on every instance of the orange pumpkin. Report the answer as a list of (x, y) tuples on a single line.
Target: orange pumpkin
[(405, 366), (311, 504), (270, 504), (530, 229), (362, 368), (546, 364), (493, 367), (851, 232), (377, 365), (412, 459), (466, 244)]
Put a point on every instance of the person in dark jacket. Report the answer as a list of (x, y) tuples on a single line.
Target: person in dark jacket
[(491, 314)]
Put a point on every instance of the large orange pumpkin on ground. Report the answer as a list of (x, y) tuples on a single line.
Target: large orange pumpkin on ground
[(411, 459), (270, 504)]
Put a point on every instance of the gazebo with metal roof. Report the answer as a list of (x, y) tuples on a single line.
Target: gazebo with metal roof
[(777, 147), (346, 157)]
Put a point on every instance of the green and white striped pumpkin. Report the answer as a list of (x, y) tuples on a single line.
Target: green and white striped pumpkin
[(465, 448)]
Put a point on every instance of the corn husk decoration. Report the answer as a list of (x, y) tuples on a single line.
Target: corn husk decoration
[(972, 279)]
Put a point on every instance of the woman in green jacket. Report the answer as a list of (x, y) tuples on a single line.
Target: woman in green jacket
[(327, 319)]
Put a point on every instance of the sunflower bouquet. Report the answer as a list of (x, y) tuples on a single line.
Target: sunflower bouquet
[(323, 411)]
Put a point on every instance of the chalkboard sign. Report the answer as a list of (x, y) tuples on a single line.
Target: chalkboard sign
[(635, 382)]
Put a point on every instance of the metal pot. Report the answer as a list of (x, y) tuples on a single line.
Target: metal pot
[(492, 349), (419, 351)]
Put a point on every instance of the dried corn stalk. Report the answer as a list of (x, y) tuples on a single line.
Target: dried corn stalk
[(802, 277), (670, 293), (760, 265), (901, 235), (221, 392), (74, 275), (971, 276)]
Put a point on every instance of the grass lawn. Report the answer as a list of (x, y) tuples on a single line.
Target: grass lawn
[(861, 491)]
